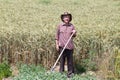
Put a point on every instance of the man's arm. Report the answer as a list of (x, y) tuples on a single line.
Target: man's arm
[(57, 39)]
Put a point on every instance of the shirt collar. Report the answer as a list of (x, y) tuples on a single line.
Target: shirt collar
[(63, 24)]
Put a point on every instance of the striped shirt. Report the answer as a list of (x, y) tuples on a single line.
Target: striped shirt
[(63, 33)]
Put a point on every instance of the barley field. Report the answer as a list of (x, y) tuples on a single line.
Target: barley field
[(28, 27)]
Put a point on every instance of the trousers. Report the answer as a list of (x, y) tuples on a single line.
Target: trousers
[(67, 54)]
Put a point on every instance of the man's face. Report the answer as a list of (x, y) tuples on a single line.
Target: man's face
[(66, 19)]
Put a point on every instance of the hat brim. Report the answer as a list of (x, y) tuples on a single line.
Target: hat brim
[(62, 16)]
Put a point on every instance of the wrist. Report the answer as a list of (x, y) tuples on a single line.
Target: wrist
[(57, 45)]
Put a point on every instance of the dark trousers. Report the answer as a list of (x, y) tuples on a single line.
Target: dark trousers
[(69, 55)]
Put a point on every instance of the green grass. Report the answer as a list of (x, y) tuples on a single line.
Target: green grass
[(5, 70), (32, 72)]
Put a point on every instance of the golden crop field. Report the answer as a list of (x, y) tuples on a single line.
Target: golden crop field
[(28, 27)]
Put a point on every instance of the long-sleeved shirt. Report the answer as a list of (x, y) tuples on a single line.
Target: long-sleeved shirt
[(63, 33)]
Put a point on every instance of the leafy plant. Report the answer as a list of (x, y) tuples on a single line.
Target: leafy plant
[(31, 72), (5, 70)]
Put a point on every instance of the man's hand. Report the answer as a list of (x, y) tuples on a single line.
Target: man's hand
[(57, 47), (74, 31)]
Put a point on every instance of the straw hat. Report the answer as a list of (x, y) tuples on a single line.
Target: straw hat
[(66, 14)]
